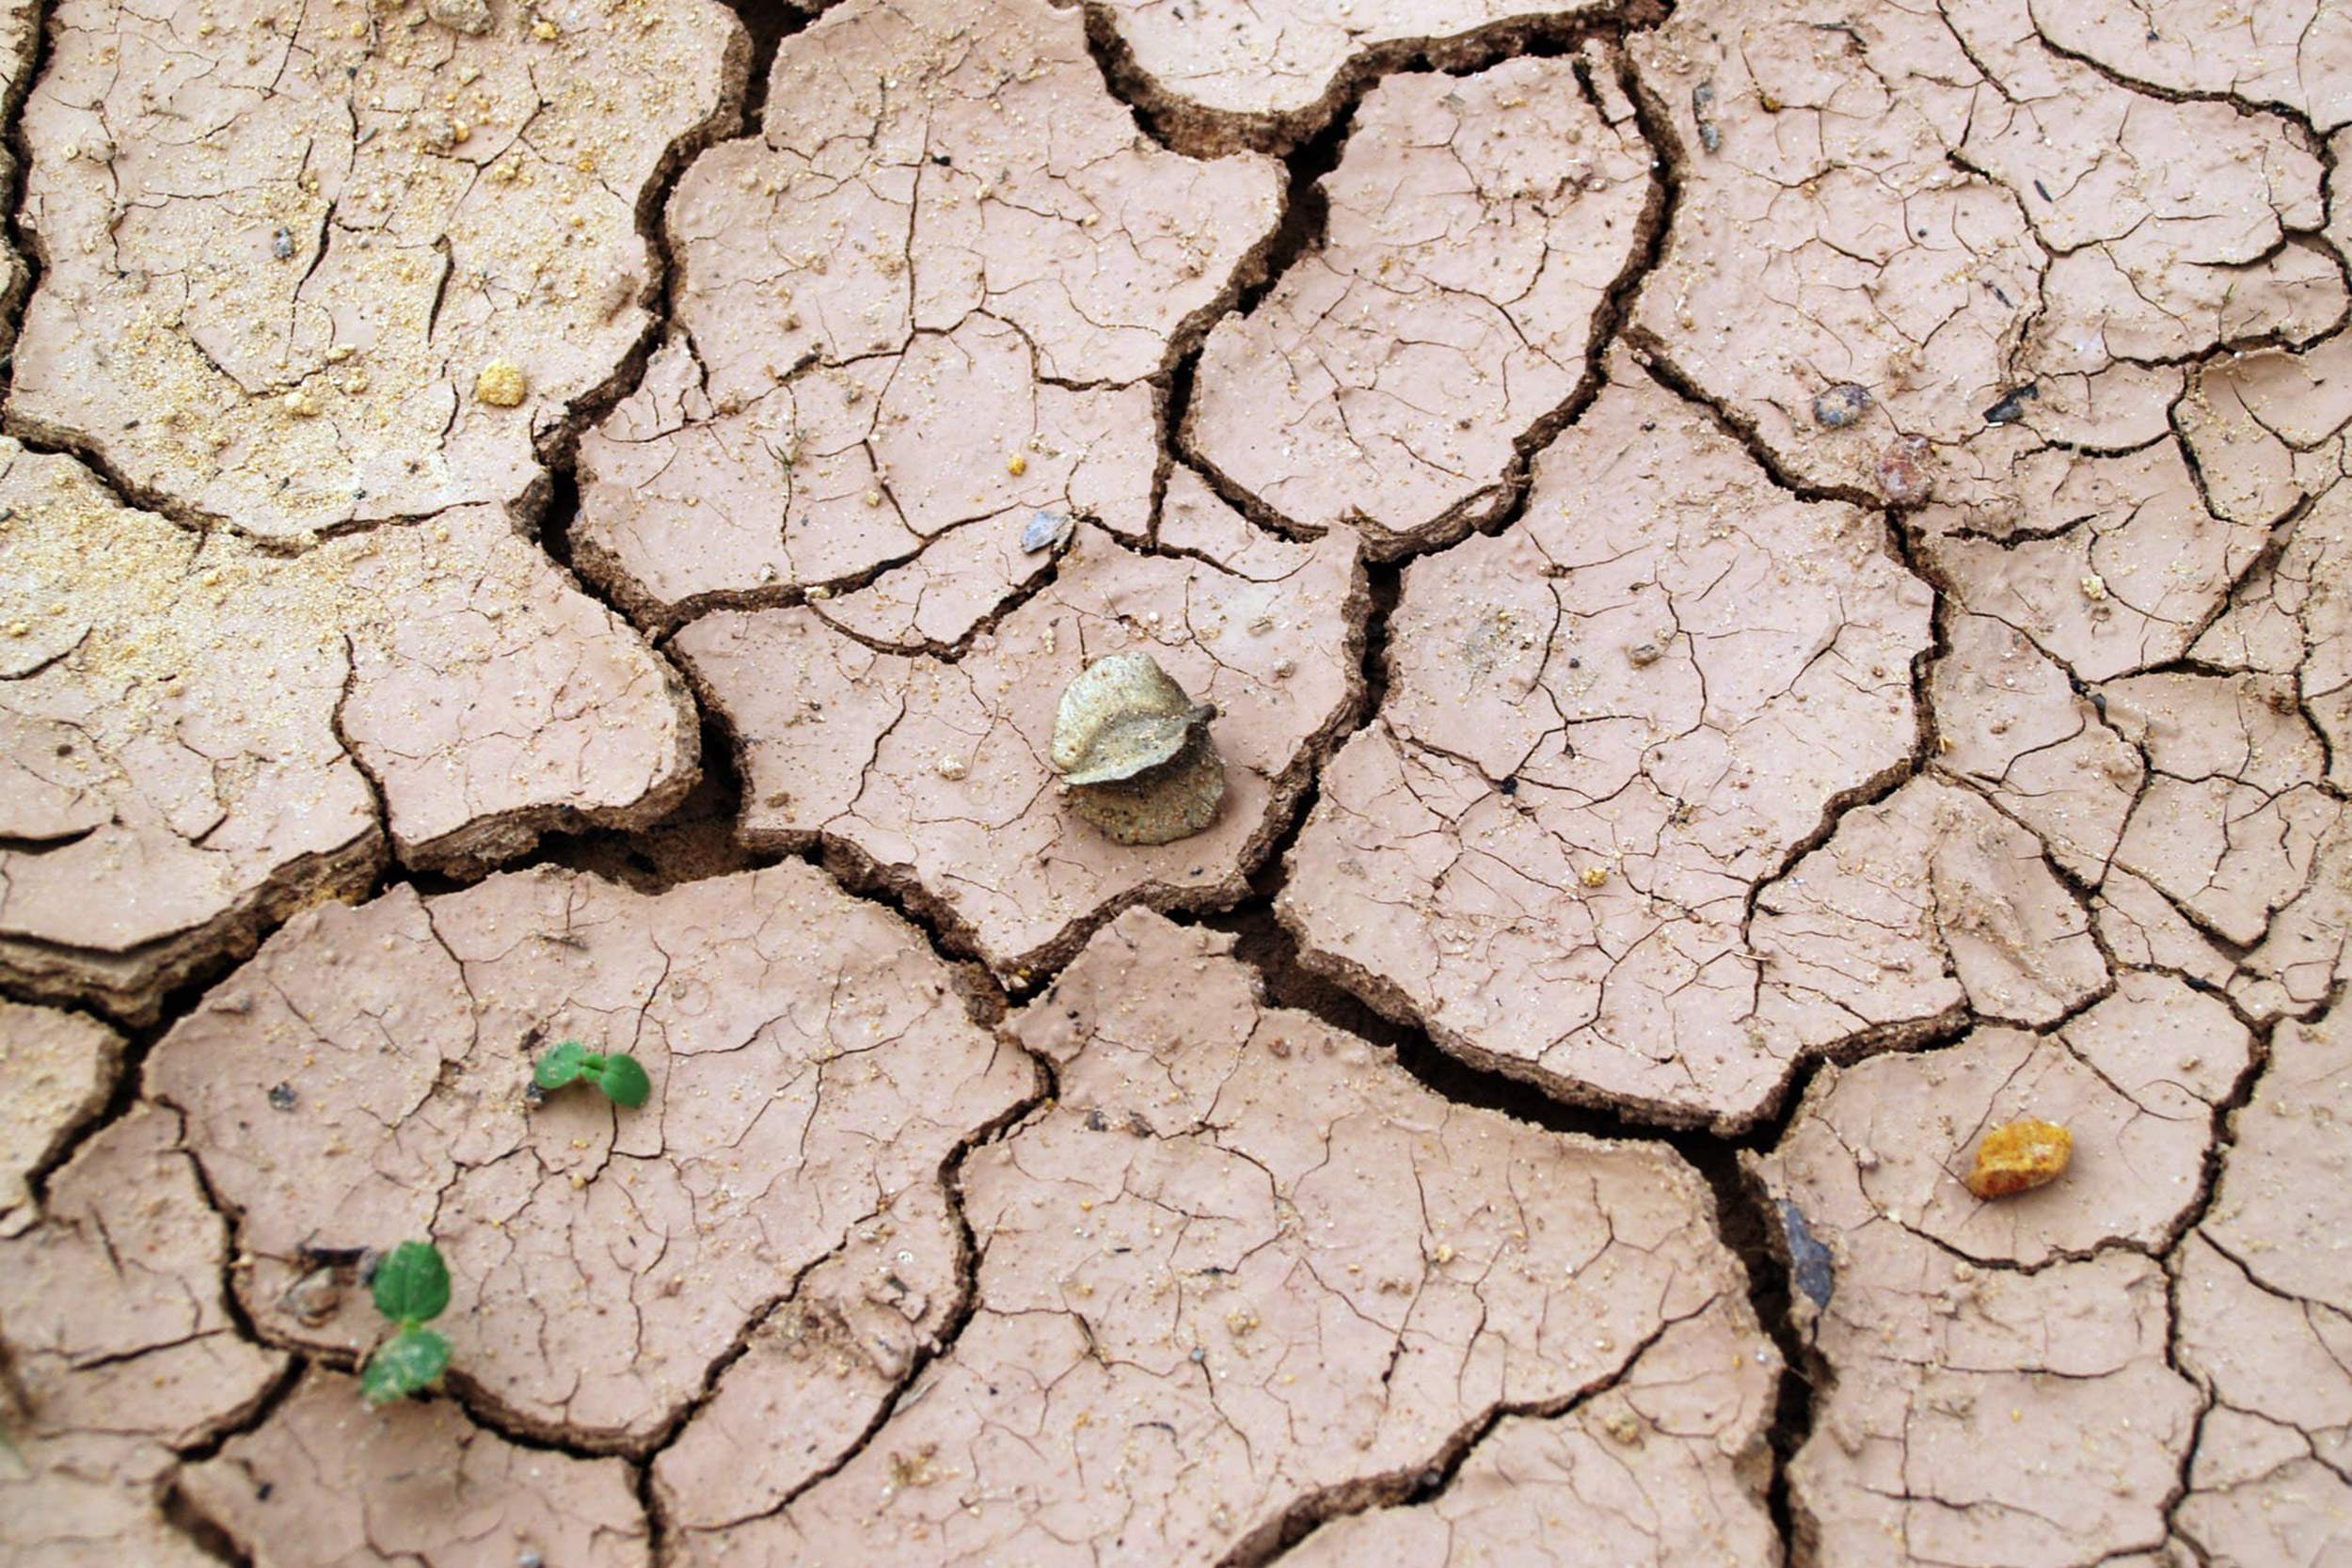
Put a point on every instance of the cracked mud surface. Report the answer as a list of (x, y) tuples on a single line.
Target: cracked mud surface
[(1773, 579), (1605, 729), (927, 302), (810, 1045), (429, 1486), (281, 246), (207, 731), (1193, 1291), (935, 773), (1473, 229)]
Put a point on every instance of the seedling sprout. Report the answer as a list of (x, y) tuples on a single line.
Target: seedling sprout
[(411, 1288), (621, 1076)]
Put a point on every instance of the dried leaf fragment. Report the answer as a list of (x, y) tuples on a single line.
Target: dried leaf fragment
[(1133, 752), (2019, 1157), (1121, 716)]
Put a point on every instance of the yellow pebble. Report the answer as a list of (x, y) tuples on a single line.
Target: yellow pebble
[(1593, 876), (2020, 1156), (501, 383), (1016, 465)]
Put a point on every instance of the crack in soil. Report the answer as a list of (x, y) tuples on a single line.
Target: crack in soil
[(26, 274), (1184, 126), (967, 1281), (1423, 1481)]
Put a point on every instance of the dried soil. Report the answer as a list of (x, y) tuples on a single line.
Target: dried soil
[(1773, 582)]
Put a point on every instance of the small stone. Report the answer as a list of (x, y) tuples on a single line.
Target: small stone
[(1047, 531), (281, 243), (1016, 465), (314, 1298), (1644, 653), (1811, 1267), (301, 403), (1842, 406), (1702, 101), (281, 1097), (460, 16), (543, 30), (2094, 587), (1902, 471), (2019, 1157), (1593, 876), (501, 383), (2011, 407), (951, 768)]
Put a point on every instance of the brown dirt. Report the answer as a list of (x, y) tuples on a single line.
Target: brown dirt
[(1773, 581)]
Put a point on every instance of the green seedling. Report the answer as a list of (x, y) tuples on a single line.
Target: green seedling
[(411, 1288), (621, 1076)]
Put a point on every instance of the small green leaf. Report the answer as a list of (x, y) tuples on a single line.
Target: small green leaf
[(412, 1359), (412, 1283), (565, 1061), (624, 1080)]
